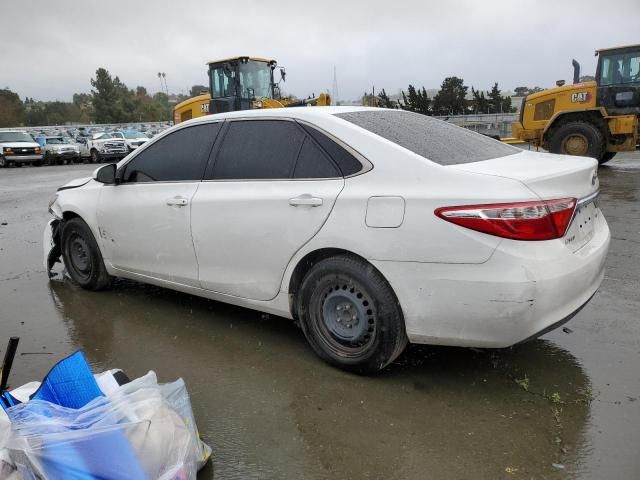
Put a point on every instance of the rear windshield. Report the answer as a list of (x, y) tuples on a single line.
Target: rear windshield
[(433, 139)]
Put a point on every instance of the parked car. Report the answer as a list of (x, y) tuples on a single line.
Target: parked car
[(132, 138), (103, 146), (57, 151), (370, 227), (17, 148)]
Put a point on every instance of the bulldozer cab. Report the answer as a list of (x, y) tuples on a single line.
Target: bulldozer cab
[(618, 79), (236, 83)]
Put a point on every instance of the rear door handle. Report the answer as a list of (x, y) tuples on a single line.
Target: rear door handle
[(177, 201), (306, 200)]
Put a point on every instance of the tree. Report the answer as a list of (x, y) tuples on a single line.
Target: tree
[(105, 96), (416, 100), (384, 101), (451, 98), (197, 90), (523, 91), (495, 99), (479, 104), (11, 109)]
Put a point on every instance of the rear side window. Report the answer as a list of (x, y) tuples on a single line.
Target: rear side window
[(313, 163), (258, 149), (347, 163), (428, 137), (180, 156)]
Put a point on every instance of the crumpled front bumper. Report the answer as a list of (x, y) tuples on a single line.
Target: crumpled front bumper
[(52, 245)]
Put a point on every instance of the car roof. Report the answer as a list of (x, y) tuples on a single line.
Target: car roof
[(301, 113)]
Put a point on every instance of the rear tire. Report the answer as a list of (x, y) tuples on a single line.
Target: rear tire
[(82, 257), (606, 156), (577, 138), (95, 157), (350, 315)]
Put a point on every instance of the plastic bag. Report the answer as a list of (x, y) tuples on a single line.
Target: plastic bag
[(138, 430)]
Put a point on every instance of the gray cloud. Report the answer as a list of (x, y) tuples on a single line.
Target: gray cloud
[(50, 52)]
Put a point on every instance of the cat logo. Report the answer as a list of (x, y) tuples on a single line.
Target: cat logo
[(580, 97), (204, 108)]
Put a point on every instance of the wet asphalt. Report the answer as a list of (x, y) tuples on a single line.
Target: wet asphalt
[(564, 406)]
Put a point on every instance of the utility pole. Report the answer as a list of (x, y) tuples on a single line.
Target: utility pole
[(335, 87)]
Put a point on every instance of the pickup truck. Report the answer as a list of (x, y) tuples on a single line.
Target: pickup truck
[(17, 148), (57, 150), (132, 138), (103, 146)]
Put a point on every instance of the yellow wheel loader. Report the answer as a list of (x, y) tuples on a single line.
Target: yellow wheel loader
[(596, 118), (241, 83)]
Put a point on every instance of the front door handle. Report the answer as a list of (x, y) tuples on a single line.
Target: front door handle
[(306, 200), (177, 201)]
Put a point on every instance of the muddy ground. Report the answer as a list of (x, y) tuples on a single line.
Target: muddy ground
[(564, 406)]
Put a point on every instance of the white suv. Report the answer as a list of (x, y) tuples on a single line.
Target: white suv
[(18, 147)]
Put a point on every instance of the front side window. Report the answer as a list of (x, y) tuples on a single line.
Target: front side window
[(258, 149), (180, 156)]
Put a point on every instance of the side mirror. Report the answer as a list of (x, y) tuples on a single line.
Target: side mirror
[(106, 174)]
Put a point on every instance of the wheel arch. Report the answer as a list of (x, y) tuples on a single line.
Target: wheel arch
[(306, 263), (592, 115)]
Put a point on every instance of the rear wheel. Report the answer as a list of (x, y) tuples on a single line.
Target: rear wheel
[(606, 156), (577, 138), (95, 156), (82, 257), (350, 315)]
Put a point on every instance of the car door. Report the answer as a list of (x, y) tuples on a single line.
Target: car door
[(268, 191), (144, 221)]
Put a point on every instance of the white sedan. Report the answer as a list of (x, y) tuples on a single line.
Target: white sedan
[(372, 228)]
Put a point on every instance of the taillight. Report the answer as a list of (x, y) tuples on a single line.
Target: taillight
[(538, 220)]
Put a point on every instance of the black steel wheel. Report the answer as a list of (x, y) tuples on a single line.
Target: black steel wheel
[(350, 315), (82, 257)]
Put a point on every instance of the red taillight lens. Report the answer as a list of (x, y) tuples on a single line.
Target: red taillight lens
[(538, 220)]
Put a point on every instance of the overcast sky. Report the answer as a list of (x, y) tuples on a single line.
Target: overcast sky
[(50, 49)]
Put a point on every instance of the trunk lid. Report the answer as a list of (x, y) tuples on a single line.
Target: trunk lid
[(548, 175)]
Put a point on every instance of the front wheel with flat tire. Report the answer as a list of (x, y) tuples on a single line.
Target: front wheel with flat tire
[(350, 315), (82, 257)]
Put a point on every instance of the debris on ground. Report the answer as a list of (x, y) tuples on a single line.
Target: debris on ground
[(77, 425)]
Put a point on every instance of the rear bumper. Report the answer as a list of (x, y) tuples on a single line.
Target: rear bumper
[(524, 290)]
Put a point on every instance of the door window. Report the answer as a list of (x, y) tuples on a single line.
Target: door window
[(346, 162), (258, 149), (313, 163), (620, 68), (180, 156)]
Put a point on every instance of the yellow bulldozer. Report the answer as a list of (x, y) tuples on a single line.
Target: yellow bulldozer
[(241, 83), (595, 118)]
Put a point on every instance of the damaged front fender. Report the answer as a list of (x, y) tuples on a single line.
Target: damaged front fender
[(52, 245)]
